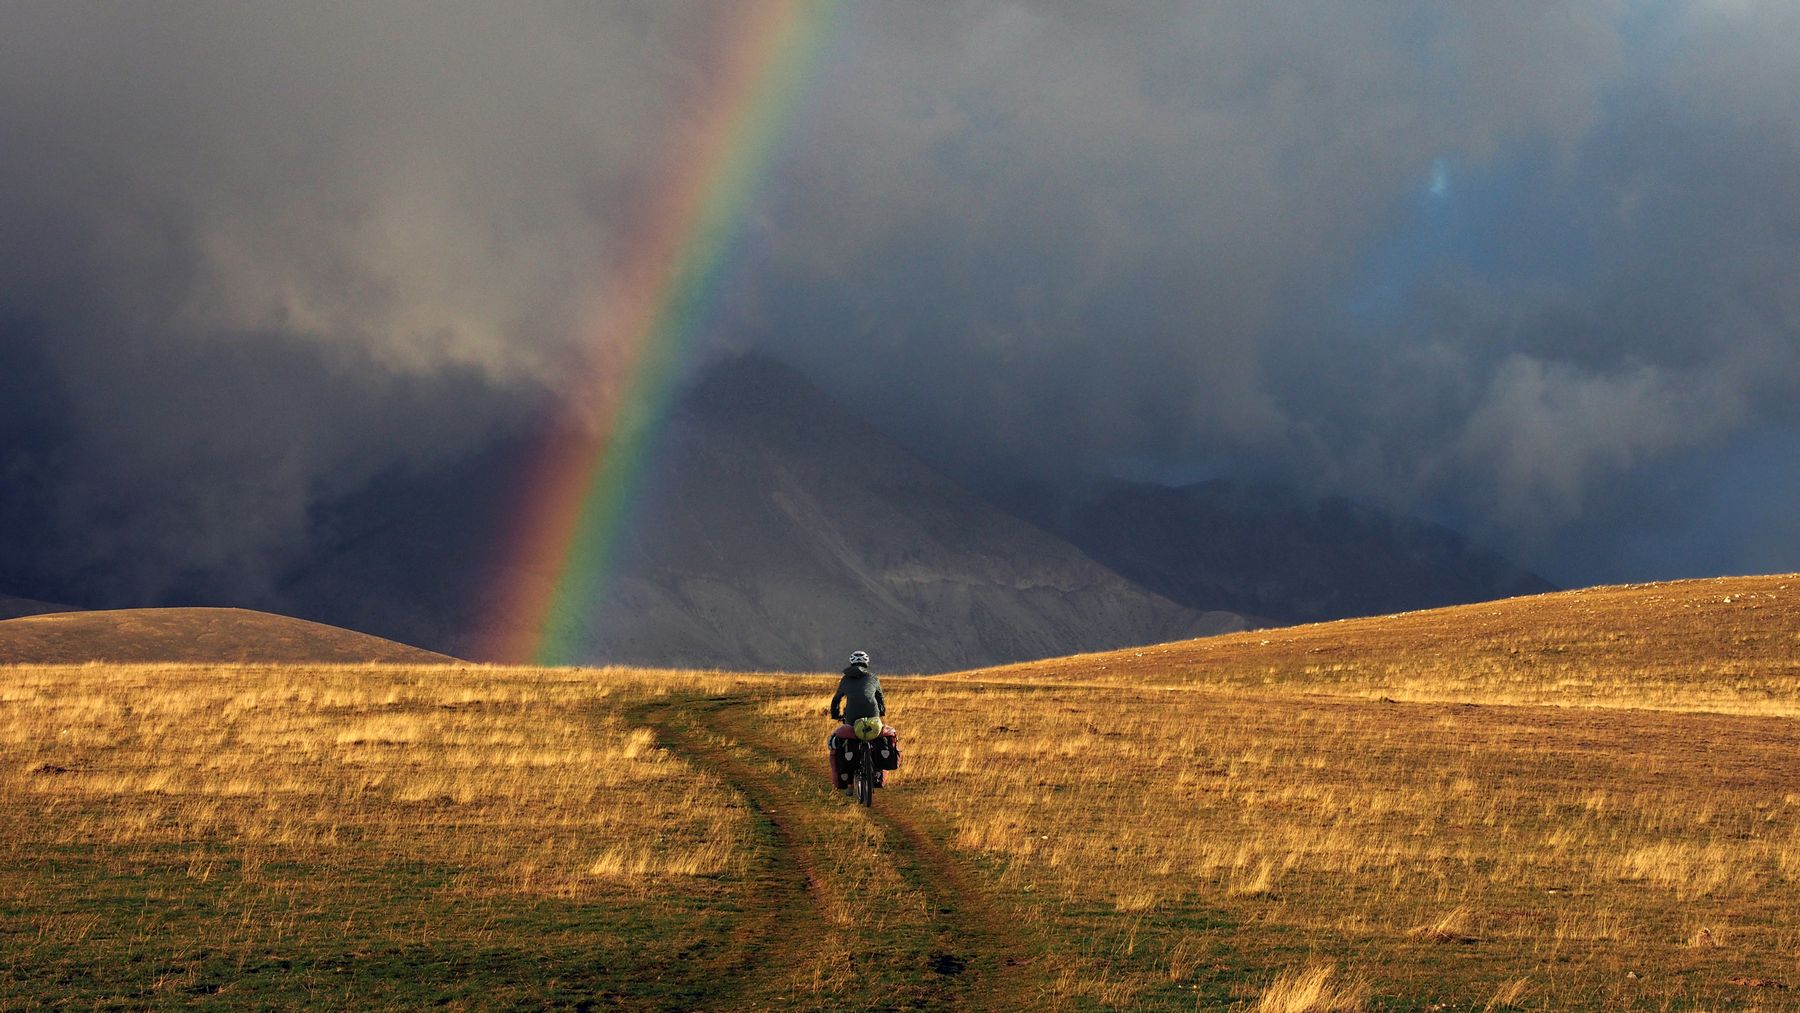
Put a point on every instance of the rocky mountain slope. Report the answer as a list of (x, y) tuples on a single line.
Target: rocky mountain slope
[(775, 531), (779, 529)]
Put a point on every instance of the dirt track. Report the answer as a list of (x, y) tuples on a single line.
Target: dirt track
[(941, 945)]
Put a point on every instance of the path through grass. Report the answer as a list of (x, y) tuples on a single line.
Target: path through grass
[(866, 907), (1565, 803)]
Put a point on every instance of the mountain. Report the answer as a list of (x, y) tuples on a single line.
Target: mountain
[(1268, 551), (191, 635), (776, 530)]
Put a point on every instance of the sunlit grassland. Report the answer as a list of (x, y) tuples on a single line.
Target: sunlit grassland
[(1580, 800), (1730, 645), (338, 832), (1575, 801)]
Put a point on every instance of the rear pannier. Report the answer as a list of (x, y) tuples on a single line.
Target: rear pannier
[(842, 749), (887, 751)]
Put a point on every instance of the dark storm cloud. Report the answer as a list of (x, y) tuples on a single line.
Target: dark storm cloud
[(1109, 223), (1484, 261), (261, 252)]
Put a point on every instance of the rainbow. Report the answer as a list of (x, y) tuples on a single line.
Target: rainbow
[(580, 486)]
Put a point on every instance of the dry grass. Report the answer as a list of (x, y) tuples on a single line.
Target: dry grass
[(1562, 796), (1730, 645), (1577, 801), (523, 780), (194, 636), (1452, 927), (371, 829), (1313, 990), (1509, 995)]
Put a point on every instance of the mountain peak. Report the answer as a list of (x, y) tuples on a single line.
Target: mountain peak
[(751, 382), (773, 528)]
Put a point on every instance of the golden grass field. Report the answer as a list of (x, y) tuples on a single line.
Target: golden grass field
[(1582, 800)]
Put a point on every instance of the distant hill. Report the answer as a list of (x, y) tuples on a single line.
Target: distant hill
[(1268, 551), (13, 608), (1681, 644), (191, 635), (777, 531)]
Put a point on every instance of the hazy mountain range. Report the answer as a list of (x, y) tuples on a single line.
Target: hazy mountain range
[(780, 530), (777, 530), (1270, 552)]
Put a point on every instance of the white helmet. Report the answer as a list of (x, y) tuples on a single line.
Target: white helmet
[(859, 657)]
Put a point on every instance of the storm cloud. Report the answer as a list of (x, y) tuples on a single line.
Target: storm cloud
[(1527, 268)]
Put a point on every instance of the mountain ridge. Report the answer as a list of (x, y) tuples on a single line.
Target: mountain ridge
[(774, 530), (777, 528)]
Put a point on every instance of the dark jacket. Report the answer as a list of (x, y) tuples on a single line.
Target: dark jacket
[(859, 691)]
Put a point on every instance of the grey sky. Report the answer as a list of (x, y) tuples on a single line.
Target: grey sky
[(253, 254)]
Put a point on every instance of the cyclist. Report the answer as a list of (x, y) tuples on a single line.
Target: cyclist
[(858, 692), (858, 696)]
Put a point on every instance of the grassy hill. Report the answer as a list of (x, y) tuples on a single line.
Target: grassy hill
[(12, 608), (192, 635), (1578, 800)]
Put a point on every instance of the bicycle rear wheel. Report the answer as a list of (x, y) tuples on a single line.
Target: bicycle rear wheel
[(865, 779)]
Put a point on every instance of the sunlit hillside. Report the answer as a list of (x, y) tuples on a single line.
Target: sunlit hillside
[(1730, 645), (192, 635), (1576, 800)]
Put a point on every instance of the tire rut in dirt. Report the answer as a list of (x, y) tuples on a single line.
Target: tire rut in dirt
[(783, 904), (963, 943)]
